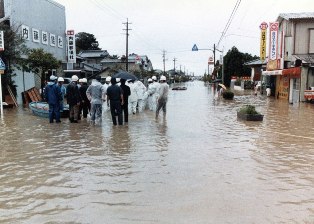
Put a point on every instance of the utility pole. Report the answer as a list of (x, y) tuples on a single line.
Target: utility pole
[(214, 51), (127, 44), (164, 60), (174, 64)]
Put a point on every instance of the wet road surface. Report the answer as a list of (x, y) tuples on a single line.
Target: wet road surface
[(198, 165)]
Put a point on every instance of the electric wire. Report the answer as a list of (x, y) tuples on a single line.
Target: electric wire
[(229, 21)]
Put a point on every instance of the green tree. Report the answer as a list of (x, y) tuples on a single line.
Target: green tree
[(14, 50), (40, 62), (234, 64), (85, 41)]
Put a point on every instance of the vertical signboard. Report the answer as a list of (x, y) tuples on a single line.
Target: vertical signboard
[(2, 68), (273, 40), (263, 28), (1, 41), (71, 46)]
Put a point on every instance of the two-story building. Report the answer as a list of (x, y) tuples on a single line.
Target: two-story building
[(136, 63), (291, 72), (88, 64)]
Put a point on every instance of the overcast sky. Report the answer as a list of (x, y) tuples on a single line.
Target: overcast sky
[(176, 25)]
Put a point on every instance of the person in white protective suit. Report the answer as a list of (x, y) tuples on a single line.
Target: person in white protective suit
[(105, 105), (151, 89), (156, 93), (140, 90), (132, 98), (162, 96)]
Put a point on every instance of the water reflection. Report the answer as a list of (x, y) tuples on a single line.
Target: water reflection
[(199, 164)]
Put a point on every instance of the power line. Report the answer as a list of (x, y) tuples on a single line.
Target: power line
[(229, 21)]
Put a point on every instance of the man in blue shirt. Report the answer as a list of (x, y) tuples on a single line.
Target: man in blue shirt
[(53, 96)]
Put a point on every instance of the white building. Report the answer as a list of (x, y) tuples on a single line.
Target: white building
[(42, 24)]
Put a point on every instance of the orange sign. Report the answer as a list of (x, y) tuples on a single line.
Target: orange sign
[(273, 65), (294, 73), (283, 87)]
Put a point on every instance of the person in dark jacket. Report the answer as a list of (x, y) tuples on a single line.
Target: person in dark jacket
[(53, 96), (85, 105), (126, 93), (74, 99), (115, 95)]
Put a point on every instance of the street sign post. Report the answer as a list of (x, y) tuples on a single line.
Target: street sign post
[(194, 48), (2, 68)]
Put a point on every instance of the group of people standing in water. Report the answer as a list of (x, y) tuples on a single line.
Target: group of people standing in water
[(122, 97)]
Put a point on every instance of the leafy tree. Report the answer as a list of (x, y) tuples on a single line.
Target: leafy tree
[(85, 41), (12, 56), (234, 64), (113, 56), (40, 61)]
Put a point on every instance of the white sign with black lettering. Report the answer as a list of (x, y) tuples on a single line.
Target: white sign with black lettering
[(60, 42), (44, 37), (25, 32), (1, 41), (36, 35), (53, 40)]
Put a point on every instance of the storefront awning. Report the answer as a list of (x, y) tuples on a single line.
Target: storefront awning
[(275, 72), (292, 72)]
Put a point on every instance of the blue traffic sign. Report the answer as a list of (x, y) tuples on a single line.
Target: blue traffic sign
[(2, 65), (194, 48)]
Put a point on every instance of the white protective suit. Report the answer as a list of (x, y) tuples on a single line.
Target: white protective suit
[(105, 105), (132, 98), (155, 95), (140, 90), (150, 92)]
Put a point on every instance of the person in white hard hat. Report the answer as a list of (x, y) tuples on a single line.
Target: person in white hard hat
[(63, 92), (151, 89), (74, 99), (53, 97), (155, 95), (140, 90), (95, 94), (132, 101), (162, 96), (107, 83), (85, 104)]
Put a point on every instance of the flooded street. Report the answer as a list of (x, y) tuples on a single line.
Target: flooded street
[(198, 165)]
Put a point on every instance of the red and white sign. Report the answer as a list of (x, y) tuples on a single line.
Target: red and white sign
[(210, 60), (71, 46), (273, 40), (263, 26)]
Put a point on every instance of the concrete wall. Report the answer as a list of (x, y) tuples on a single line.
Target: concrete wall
[(302, 35)]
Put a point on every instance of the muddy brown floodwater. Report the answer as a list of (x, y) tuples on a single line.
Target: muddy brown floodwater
[(198, 165)]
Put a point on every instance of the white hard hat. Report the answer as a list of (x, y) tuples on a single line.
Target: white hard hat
[(108, 79), (74, 78), (163, 78), (60, 79), (154, 78), (53, 78), (80, 80), (84, 80), (149, 80)]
